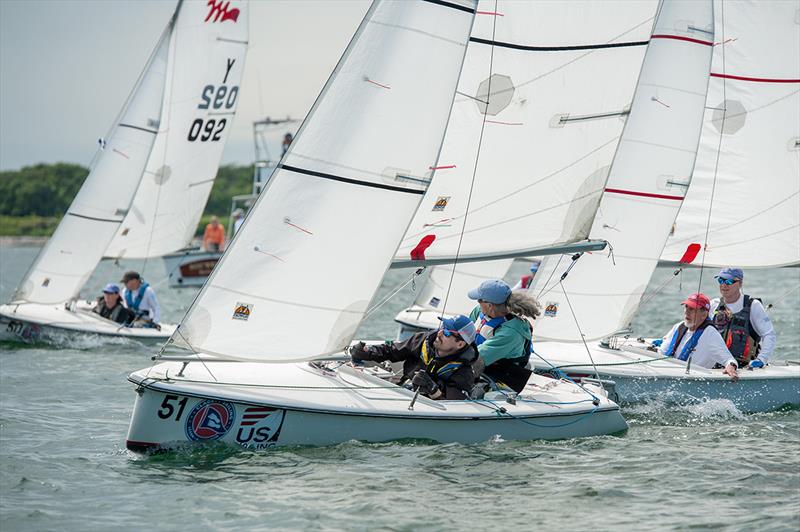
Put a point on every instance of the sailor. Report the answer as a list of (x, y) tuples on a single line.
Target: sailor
[(525, 281), (110, 306), (696, 338), (140, 298), (742, 321), (439, 363), (214, 236), (504, 335), (287, 141), (238, 219)]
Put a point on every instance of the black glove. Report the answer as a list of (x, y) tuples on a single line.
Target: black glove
[(359, 352), (424, 383)]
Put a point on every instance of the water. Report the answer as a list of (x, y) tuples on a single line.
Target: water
[(64, 413)]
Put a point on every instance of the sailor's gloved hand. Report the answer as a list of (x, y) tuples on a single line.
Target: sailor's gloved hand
[(423, 382), (358, 352), (755, 364)]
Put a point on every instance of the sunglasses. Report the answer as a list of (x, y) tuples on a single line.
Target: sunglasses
[(449, 333), (720, 280)]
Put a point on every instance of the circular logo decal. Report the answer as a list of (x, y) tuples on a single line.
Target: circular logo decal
[(210, 420)]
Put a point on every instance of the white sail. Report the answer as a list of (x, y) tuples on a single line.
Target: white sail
[(746, 183), (206, 63), (445, 291), (649, 177), (343, 196), (529, 166), (78, 243)]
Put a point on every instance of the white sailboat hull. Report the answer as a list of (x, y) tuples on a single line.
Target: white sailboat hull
[(298, 404), (641, 376), (190, 268), (35, 322)]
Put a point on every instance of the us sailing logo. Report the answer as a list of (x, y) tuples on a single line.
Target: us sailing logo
[(210, 420), (260, 427), (219, 9), (242, 311)]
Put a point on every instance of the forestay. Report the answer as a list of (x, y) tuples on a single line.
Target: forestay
[(540, 108), (82, 236), (649, 177), (206, 61), (746, 183), (298, 277)]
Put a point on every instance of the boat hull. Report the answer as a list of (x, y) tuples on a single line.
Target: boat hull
[(641, 376), (170, 413), (190, 268), (30, 322)]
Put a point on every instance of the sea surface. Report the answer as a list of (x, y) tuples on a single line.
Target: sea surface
[(64, 413)]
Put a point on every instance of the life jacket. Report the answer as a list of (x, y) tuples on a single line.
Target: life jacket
[(509, 371), (741, 339), (442, 367), (133, 304), (487, 327), (118, 314), (690, 345)]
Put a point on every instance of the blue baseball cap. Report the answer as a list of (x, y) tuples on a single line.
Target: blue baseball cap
[(730, 273), (493, 291), (462, 325), (111, 288)]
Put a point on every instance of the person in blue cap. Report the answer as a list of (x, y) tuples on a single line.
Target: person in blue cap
[(110, 306), (504, 335), (742, 321), (438, 364), (526, 280)]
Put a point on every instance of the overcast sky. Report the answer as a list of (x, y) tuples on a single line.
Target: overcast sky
[(66, 68)]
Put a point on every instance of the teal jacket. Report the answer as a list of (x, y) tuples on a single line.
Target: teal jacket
[(508, 342)]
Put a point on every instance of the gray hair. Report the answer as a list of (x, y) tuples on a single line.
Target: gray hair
[(522, 304)]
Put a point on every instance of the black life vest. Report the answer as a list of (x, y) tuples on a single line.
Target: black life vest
[(511, 371), (741, 339), (118, 314), (443, 367)]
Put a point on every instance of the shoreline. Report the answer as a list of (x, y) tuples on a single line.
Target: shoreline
[(23, 240)]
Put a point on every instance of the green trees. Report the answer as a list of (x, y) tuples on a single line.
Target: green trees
[(34, 198)]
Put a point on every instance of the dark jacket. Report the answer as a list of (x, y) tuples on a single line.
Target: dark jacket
[(452, 374), (119, 313)]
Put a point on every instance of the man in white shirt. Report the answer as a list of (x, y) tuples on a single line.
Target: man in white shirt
[(141, 299), (742, 321), (695, 337)]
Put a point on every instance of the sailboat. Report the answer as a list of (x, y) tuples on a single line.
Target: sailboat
[(752, 122), (742, 209), (267, 364), (153, 173)]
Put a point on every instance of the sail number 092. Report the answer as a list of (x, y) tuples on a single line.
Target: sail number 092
[(212, 98)]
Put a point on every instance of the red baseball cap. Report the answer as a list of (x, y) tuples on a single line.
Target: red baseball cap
[(697, 300)]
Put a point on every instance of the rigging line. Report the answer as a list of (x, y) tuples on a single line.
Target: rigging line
[(583, 338), (383, 301), (782, 296), (475, 166), (719, 145)]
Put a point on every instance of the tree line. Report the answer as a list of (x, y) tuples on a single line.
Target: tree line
[(44, 191)]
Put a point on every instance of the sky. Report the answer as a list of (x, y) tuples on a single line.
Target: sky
[(66, 68)]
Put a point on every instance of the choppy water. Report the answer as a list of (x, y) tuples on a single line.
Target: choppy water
[(63, 465)]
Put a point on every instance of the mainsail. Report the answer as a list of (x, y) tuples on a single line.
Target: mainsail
[(296, 280), (746, 184), (649, 178), (206, 62), (540, 108), (92, 220)]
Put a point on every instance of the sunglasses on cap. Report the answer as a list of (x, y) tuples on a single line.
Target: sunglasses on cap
[(720, 280)]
